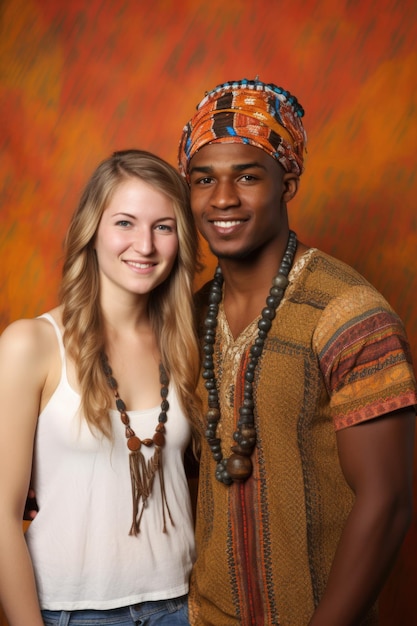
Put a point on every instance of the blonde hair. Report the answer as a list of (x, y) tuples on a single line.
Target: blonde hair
[(171, 307)]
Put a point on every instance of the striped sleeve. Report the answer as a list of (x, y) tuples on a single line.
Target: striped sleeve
[(365, 357)]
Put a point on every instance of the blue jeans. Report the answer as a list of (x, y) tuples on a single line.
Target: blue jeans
[(172, 612)]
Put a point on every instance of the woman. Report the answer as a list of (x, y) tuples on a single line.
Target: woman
[(98, 391)]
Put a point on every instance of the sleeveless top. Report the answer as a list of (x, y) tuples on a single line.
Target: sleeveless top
[(82, 554)]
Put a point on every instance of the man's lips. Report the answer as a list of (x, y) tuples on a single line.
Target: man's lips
[(226, 223)]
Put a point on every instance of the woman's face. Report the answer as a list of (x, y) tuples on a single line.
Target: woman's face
[(136, 241)]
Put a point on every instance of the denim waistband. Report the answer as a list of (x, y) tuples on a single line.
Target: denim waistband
[(127, 615)]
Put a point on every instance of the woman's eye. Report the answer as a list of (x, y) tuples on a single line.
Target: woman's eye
[(164, 227), (123, 223)]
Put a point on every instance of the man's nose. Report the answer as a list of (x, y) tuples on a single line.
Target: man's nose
[(225, 195)]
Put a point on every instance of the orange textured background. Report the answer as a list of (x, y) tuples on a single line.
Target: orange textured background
[(79, 80)]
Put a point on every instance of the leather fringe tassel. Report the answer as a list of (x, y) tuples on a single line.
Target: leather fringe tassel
[(142, 475)]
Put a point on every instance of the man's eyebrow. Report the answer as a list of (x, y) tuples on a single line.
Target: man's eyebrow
[(204, 169), (246, 166), (239, 167)]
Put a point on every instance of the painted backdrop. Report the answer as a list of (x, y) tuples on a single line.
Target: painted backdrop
[(79, 80)]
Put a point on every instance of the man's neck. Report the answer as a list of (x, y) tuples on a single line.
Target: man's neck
[(247, 285)]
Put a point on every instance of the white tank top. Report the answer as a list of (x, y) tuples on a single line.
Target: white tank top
[(80, 546)]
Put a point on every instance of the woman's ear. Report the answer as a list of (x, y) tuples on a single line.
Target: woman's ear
[(291, 182)]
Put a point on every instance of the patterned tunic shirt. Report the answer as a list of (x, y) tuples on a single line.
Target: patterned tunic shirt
[(336, 355)]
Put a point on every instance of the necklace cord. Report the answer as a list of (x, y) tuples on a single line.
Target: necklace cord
[(238, 467), (142, 472)]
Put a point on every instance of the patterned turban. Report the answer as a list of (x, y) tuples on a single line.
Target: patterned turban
[(249, 112)]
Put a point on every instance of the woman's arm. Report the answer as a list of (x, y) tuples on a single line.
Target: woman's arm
[(23, 371), (377, 460)]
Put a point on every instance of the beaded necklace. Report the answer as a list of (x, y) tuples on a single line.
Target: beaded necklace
[(238, 467), (142, 473)]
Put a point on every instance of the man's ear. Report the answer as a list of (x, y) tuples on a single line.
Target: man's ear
[(291, 182)]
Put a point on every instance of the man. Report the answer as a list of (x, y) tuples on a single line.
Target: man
[(305, 490)]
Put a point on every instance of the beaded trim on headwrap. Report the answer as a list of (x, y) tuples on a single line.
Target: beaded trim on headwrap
[(249, 112)]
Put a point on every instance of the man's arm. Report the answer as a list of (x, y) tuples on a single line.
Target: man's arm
[(376, 458)]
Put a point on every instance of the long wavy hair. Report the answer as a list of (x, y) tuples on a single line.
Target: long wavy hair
[(170, 305)]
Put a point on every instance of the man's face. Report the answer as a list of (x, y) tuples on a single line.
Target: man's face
[(238, 195)]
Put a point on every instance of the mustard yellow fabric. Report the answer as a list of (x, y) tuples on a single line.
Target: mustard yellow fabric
[(337, 354)]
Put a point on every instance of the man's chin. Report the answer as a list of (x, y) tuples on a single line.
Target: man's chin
[(231, 255)]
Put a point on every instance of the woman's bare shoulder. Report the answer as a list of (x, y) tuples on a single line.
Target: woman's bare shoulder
[(28, 338)]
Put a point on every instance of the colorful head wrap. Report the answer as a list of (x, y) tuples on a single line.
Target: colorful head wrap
[(249, 112)]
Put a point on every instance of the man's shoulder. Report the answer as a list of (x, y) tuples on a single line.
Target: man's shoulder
[(335, 268), (324, 282), (327, 274)]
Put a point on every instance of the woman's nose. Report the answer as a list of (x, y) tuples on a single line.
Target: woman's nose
[(144, 242)]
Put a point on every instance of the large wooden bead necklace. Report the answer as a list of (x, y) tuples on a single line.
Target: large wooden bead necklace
[(142, 473), (238, 467)]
